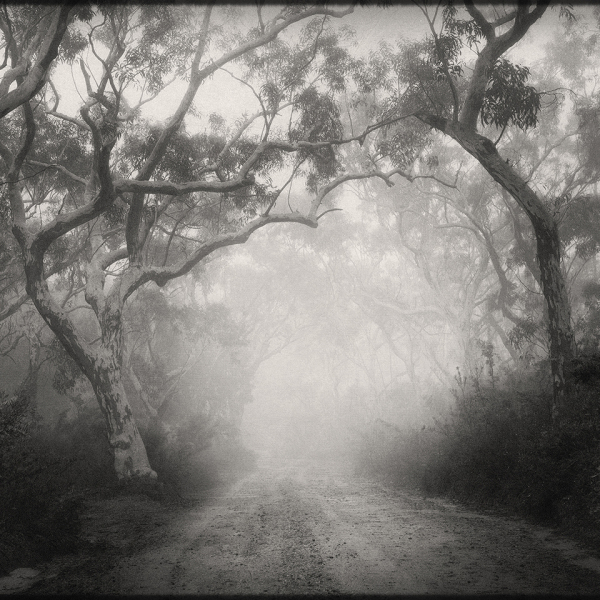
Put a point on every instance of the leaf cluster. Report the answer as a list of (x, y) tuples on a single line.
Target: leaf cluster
[(580, 225), (459, 28), (507, 100), (318, 121)]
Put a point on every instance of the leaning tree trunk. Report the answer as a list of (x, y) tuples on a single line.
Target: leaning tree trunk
[(129, 452), (548, 247), (101, 366), (124, 437), (552, 280)]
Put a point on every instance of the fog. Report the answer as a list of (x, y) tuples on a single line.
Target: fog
[(374, 318), (279, 281), (355, 334)]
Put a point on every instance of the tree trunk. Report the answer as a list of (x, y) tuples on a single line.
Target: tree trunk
[(552, 280), (559, 312), (130, 458), (101, 366)]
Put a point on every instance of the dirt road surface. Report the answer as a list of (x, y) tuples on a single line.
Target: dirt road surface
[(302, 527)]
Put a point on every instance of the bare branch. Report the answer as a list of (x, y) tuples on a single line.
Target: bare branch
[(73, 120), (60, 168), (328, 211), (13, 307), (167, 188), (161, 275)]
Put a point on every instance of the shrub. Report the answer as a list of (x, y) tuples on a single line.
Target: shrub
[(498, 446), (43, 472), (37, 518), (194, 454)]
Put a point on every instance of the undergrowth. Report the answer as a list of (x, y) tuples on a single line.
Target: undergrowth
[(195, 455), (499, 447), (43, 474), (47, 472)]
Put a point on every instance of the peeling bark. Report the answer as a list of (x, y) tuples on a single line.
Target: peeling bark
[(130, 458), (102, 368)]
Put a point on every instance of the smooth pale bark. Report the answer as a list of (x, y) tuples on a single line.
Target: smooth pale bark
[(129, 452), (552, 279), (102, 368), (141, 392), (31, 78)]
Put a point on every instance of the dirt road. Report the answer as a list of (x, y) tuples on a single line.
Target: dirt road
[(304, 527)]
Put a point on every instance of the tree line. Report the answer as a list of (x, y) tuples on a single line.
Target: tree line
[(104, 208)]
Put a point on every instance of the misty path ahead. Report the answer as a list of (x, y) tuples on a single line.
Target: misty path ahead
[(307, 527)]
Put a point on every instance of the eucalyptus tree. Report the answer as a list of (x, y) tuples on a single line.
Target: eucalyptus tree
[(132, 202), (32, 35), (429, 84)]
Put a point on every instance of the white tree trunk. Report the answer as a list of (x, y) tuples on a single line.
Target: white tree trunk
[(103, 369), (130, 458)]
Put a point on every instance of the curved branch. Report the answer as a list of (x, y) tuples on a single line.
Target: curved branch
[(494, 48), (13, 307), (197, 76), (101, 202), (73, 120), (161, 275), (486, 27), (440, 52), (328, 211), (36, 76), (167, 188), (60, 168)]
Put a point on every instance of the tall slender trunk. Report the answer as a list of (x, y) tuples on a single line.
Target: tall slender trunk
[(552, 281), (559, 312)]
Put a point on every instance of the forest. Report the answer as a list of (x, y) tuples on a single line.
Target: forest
[(368, 232)]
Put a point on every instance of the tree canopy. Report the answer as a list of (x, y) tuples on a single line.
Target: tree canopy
[(115, 199)]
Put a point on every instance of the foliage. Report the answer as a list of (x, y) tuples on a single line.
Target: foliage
[(580, 224), (497, 446), (318, 120), (589, 136), (42, 474), (507, 100), (194, 454), (587, 326)]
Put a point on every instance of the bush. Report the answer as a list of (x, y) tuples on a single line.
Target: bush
[(83, 440), (195, 454), (42, 474), (498, 446)]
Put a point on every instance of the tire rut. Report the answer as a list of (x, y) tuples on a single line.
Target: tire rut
[(302, 527)]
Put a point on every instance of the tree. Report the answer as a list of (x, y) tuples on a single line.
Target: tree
[(120, 202), (32, 37), (435, 89)]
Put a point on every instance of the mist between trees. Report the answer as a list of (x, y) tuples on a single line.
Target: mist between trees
[(413, 283)]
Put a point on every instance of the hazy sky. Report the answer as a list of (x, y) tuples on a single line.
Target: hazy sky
[(372, 25)]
